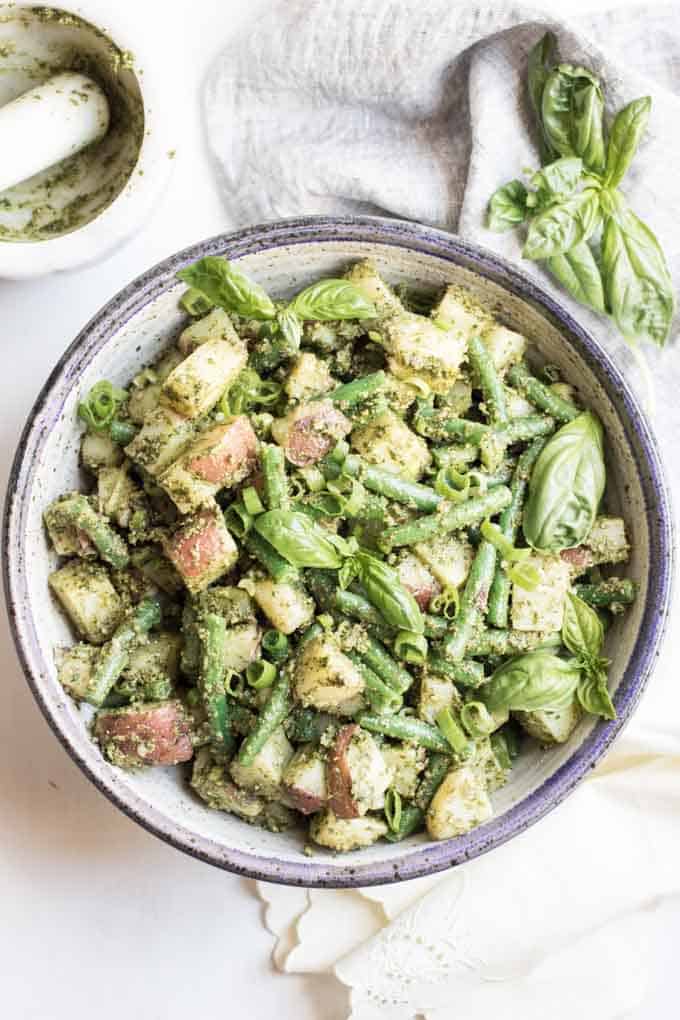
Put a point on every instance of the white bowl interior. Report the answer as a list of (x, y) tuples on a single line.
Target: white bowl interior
[(282, 271)]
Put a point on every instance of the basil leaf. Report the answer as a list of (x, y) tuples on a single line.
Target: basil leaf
[(386, 592), (290, 328), (507, 207), (530, 682), (640, 293), (579, 273), (582, 630), (562, 225), (348, 571), (327, 300), (557, 107), (624, 138), (587, 125), (224, 285), (558, 179), (541, 58), (593, 695), (566, 486), (297, 538)]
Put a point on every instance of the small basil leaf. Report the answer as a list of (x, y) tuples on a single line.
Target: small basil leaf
[(386, 592), (562, 225), (587, 125), (640, 293), (507, 207), (224, 285), (624, 138), (557, 106), (297, 538), (348, 571), (594, 697), (541, 59), (558, 179), (566, 486), (579, 273), (290, 328), (582, 630), (327, 300), (531, 682)]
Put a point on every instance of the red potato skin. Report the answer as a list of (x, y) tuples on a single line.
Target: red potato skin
[(580, 556), (423, 593), (303, 801), (311, 437), (147, 734), (339, 778), (233, 457), (193, 548)]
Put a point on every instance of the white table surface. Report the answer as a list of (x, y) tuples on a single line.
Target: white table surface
[(96, 916)]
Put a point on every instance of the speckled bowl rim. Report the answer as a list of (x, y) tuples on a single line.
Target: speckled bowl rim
[(416, 861)]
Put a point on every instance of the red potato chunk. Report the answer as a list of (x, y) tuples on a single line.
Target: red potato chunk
[(315, 432), (231, 455), (340, 799), (580, 557), (418, 580), (202, 550), (152, 734)]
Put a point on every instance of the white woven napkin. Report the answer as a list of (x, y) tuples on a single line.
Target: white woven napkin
[(418, 109)]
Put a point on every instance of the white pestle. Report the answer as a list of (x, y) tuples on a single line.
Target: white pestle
[(48, 123)]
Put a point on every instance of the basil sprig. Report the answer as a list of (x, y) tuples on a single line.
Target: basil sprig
[(566, 486), (297, 538), (577, 221), (226, 286), (583, 635), (531, 682)]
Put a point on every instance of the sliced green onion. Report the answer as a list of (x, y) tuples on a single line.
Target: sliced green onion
[(477, 719), (480, 480), (268, 393), (393, 808), (411, 647), (492, 533), (234, 685), (524, 575), (194, 302), (238, 520), (352, 502), (452, 731), (447, 603), (451, 484), (252, 501), (100, 405), (328, 503), (313, 478), (260, 674), (296, 487), (276, 645)]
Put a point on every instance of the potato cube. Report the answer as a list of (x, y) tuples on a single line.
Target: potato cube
[(417, 579), (212, 784), (326, 679), (202, 550), (344, 834), (607, 540), (406, 762), (368, 772), (448, 558), (504, 346), (435, 694), (243, 645), (542, 608), (388, 442), (551, 726), (194, 387), (366, 278), (264, 776), (75, 666), (304, 781), (89, 599), (287, 606), (460, 312), (216, 325), (308, 377), (162, 437), (417, 347), (460, 804)]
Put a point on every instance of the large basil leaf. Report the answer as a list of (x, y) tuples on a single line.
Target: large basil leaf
[(562, 226), (558, 179), (639, 290), (587, 125), (593, 695), (507, 207), (224, 285), (624, 138), (566, 486), (386, 592), (541, 59), (572, 107), (582, 630), (297, 538), (530, 682), (332, 299), (579, 273)]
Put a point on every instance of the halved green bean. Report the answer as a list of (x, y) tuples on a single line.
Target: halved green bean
[(115, 654), (384, 483), (489, 380), (212, 632), (540, 395), (489, 641), (612, 591), (275, 565), (509, 522), (473, 602), (275, 710), (465, 672), (352, 393), (450, 518), (76, 511), (405, 727), (437, 767), (381, 697), (381, 662), (410, 821), (274, 475)]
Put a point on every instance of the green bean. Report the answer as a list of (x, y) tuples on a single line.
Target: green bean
[(115, 654), (540, 395), (411, 821), (613, 591), (375, 656), (473, 602), (435, 424), (190, 656), (212, 632), (276, 645), (465, 672), (456, 455), (489, 380), (352, 393), (384, 483), (76, 511), (489, 641), (275, 710), (305, 725), (437, 767), (122, 432), (381, 696), (275, 565), (274, 475), (450, 518), (405, 727), (436, 626), (324, 586), (509, 523)]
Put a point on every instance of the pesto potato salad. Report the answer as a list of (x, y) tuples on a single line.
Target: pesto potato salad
[(344, 554)]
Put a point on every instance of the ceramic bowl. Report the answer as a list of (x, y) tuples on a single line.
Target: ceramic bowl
[(130, 331)]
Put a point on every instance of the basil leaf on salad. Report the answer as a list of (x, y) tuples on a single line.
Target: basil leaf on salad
[(531, 682), (297, 538), (332, 299), (226, 286)]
